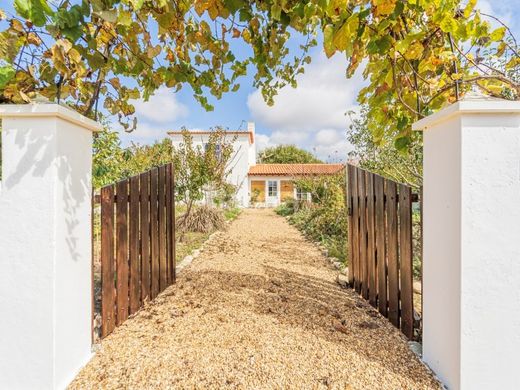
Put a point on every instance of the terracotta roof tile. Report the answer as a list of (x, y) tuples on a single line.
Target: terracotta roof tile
[(294, 169)]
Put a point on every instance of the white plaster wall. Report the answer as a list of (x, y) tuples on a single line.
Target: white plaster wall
[(45, 250), (73, 267), (490, 282), (238, 166), (471, 267), (27, 253), (441, 268)]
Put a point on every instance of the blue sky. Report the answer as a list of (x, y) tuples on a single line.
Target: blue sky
[(311, 116)]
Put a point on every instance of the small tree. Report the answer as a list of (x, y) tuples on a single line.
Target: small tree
[(286, 154), (383, 157), (199, 169)]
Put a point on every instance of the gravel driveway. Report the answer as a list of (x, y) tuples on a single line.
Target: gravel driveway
[(258, 309)]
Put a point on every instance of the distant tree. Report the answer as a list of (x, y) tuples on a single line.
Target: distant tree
[(383, 156), (286, 154), (107, 158), (140, 158), (111, 162)]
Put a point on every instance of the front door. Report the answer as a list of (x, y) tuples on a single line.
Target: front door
[(272, 193)]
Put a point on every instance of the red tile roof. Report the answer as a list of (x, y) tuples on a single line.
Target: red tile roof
[(294, 169)]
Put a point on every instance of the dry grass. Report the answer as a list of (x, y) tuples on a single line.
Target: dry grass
[(259, 308), (202, 219)]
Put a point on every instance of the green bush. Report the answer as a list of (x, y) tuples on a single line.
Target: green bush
[(231, 213), (286, 208), (325, 218)]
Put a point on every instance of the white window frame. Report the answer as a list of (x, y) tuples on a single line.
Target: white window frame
[(299, 195), (268, 192)]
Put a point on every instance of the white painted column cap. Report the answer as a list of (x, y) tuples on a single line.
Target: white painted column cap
[(471, 104), (48, 110)]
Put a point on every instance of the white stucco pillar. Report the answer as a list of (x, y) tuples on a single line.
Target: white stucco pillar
[(45, 245), (471, 265)]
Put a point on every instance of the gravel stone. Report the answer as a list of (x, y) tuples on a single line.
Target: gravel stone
[(260, 308)]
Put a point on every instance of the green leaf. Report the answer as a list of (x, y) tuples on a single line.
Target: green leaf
[(328, 43), (33, 10), (7, 73), (402, 143)]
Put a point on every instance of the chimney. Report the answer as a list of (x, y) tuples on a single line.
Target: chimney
[(251, 128), (252, 146)]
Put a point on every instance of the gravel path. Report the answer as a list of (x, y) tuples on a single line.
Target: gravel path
[(259, 308)]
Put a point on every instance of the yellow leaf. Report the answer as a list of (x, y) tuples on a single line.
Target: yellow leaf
[(246, 35), (469, 8), (415, 51), (74, 56), (16, 25), (498, 34), (33, 39), (385, 7), (513, 63)]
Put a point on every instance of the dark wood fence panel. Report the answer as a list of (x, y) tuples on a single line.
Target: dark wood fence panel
[(108, 294), (380, 245), (137, 243), (144, 229), (162, 230), (350, 220), (406, 268), (392, 251), (154, 232), (122, 251)]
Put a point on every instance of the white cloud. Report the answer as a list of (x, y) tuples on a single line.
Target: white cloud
[(262, 141), (162, 107), (503, 10), (313, 115)]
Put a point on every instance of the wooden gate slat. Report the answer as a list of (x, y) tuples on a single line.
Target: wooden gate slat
[(355, 229), (381, 245), (363, 234), (173, 240), (135, 272), (350, 222), (371, 242), (405, 261), (154, 231), (162, 229), (108, 316), (392, 252), (144, 220), (122, 251), (168, 217)]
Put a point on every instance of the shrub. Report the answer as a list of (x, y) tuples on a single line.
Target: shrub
[(203, 219), (231, 213), (286, 208), (325, 219)]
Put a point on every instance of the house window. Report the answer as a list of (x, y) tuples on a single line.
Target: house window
[(272, 188), (218, 150), (303, 195)]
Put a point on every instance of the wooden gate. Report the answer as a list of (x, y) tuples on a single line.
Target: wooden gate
[(380, 245), (137, 243)]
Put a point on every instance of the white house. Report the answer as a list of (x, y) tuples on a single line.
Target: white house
[(261, 185)]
